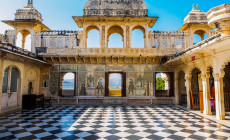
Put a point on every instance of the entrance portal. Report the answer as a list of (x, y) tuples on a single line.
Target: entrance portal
[(115, 84)]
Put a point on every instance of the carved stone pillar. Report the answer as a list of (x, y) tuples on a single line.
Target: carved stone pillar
[(23, 41), (219, 97), (125, 37), (146, 38), (128, 39), (188, 90), (206, 95), (102, 35)]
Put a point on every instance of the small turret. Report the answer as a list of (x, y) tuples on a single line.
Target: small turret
[(28, 13), (219, 19), (196, 16)]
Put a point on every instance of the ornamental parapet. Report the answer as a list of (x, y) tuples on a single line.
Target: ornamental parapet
[(175, 33), (59, 32), (135, 52), (116, 12)]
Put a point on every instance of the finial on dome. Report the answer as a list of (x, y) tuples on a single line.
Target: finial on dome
[(30, 4), (193, 6), (197, 6)]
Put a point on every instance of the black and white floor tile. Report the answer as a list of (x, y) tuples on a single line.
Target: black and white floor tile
[(110, 123)]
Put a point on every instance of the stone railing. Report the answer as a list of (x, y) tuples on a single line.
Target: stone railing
[(56, 39), (169, 39), (61, 32), (135, 52), (169, 33)]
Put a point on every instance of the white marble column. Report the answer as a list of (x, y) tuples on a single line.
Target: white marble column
[(219, 97), (206, 95)]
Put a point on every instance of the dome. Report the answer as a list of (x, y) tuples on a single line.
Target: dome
[(196, 16), (28, 13), (115, 8)]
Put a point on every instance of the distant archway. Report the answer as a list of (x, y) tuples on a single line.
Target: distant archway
[(115, 37), (115, 41), (93, 37), (24, 40), (138, 37), (199, 36), (68, 84)]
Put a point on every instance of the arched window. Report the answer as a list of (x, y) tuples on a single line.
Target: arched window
[(93, 40), (115, 41), (138, 39)]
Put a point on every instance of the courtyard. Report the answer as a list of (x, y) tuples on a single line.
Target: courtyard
[(110, 122)]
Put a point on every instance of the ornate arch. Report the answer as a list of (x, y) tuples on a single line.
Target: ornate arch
[(139, 27), (115, 29), (91, 27), (33, 70), (19, 70)]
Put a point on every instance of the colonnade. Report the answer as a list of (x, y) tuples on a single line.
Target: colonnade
[(218, 75)]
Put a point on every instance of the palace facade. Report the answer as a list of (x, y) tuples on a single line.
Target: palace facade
[(194, 75)]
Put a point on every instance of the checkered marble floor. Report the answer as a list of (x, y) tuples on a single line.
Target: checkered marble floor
[(110, 122)]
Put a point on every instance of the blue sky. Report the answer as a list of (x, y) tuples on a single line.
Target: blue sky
[(57, 14)]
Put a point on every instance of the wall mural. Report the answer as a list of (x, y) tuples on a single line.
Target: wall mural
[(91, 79)]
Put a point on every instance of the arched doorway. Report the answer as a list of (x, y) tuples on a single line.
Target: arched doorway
[(68, 85), (11, 87), (115, 84)]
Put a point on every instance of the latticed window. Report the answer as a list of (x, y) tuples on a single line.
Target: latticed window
[(164, 43), (180, 42), (156, 43)]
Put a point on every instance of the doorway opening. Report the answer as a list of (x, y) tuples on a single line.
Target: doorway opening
[(115, 84)]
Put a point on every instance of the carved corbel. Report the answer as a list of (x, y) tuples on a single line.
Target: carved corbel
[(75, 59)]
